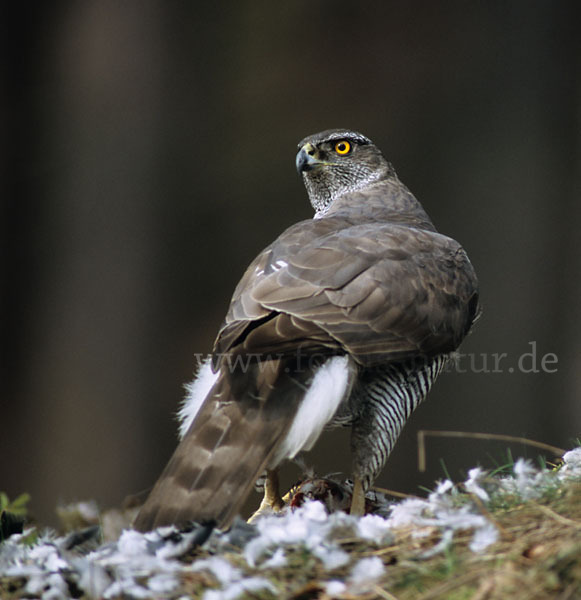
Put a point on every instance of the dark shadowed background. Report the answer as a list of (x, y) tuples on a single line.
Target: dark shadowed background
[(148, 155)]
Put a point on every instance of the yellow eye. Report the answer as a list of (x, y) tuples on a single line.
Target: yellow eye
[(343, 147)]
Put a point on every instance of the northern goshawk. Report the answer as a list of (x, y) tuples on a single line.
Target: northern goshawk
[(346, 319)]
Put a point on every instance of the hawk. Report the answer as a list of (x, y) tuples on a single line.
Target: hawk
[(346, 319)]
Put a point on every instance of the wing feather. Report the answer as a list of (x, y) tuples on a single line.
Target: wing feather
[(375, 290)]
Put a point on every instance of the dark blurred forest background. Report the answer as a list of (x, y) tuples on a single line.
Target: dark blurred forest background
[(148, 155)]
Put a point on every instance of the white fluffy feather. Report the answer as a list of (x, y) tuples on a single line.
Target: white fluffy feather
[(197, 391), (329, 387)]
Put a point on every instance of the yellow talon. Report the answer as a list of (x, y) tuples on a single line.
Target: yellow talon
[(358, 499), (272, 499)]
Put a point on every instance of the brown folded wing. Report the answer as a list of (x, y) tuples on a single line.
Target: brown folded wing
[(378, 291)]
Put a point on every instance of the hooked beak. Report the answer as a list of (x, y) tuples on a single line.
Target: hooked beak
[(307, 158)]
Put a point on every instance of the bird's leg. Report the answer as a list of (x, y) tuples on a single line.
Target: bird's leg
[(272, 495), (358, 498), (272, 499)]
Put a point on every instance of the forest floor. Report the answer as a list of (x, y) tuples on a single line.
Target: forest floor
[(514, 535)]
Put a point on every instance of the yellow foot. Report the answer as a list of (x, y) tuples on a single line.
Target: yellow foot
[(272, 500), (358, 499)]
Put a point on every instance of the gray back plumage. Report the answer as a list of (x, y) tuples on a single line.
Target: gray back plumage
[(377, 282)]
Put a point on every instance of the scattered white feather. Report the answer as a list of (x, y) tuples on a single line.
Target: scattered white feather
[(331, 557), (276, 561), (48, 556), (474, 483), (528, 482), (309, 526), (443, 488), (48, 587), (572, 464), (232, 580), (151, 565), (164, 583), (220, 568), (236, 589), (439, 511), (484, 536), (444, 543), (335, 588), (127, 588), (196, 393), (367, 570), (525, 479), (132, 543), (93, 579), (407, 512), (375, 528)]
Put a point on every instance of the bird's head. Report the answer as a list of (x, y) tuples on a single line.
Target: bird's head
[(336, 162)]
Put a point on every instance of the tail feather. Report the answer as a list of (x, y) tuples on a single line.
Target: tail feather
[(229, 444)]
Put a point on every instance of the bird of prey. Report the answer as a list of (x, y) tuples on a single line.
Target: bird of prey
[(345, 319)]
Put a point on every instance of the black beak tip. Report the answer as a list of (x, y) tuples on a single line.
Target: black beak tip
[(303, 161)]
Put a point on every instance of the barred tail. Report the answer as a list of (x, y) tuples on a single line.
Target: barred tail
[(231, 440), (251, 419)]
